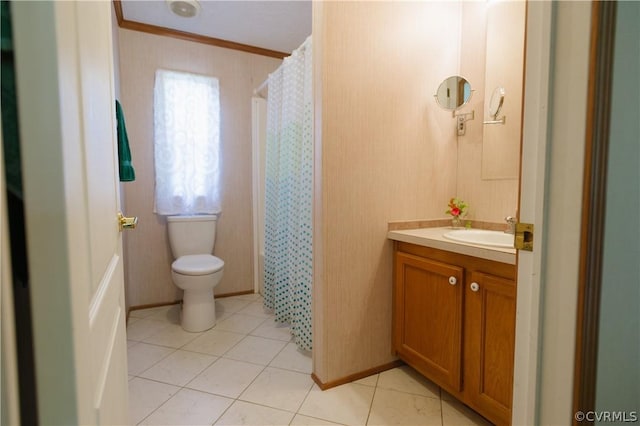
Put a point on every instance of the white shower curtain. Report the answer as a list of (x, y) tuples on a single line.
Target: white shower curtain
[(288, 190)]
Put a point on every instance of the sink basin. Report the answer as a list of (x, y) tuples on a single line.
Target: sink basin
[(481, 237)]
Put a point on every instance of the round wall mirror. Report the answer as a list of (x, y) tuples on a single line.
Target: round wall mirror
[(453, 92), (496, 101)]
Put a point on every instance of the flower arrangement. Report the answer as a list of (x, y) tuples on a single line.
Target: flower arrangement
[(457, 208)]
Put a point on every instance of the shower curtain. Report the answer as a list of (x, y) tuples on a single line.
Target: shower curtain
[(288, 190)]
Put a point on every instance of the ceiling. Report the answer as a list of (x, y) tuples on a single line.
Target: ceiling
[(281, 26)]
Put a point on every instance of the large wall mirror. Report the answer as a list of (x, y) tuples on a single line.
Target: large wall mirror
[(504, 71)]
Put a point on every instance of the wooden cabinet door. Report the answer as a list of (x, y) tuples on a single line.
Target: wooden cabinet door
[(428, 299), (490, 318)]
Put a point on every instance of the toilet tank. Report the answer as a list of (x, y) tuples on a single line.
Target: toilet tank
[(192, 234)]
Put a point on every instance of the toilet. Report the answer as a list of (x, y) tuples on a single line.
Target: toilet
[(195, 270)]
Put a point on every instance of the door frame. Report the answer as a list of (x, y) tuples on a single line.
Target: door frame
[(551, 195), (532, 208), (603, 21)]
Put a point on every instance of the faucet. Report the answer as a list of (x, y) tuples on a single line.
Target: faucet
[(511, 224)]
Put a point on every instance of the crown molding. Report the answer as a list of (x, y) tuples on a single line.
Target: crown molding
[(197, 38)]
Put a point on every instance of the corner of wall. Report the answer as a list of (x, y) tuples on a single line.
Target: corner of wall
[(320, 358)]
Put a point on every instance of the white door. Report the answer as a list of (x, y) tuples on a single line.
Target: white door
[(66, 101)]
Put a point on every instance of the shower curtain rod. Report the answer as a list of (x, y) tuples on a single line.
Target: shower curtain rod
[(265, 84), (260, 88)]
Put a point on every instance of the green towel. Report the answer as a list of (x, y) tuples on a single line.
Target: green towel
[(127, 174)]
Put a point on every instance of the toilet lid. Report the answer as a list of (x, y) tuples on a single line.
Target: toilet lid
[(197, 264)]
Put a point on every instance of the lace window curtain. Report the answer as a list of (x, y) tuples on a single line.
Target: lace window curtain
[(186, 143)]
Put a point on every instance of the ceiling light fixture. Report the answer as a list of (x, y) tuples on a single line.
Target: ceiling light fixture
[(184, 8)]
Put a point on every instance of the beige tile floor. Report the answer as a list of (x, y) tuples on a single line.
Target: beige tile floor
[(246, 371)]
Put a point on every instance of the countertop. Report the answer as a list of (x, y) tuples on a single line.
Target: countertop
[(432, 237)]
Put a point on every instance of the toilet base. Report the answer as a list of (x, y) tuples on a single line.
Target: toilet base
[(198, 310)]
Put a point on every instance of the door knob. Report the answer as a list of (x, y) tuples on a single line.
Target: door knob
[(475, 287), (453, 280), (126, 222)]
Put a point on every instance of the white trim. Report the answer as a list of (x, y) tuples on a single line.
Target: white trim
[(563, 198), (258, 193), (255, 184)]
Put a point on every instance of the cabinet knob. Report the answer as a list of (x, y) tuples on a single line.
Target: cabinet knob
[(453, 280), (475, 287)]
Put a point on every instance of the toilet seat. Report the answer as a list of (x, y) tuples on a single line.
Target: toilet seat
[(197, 264)]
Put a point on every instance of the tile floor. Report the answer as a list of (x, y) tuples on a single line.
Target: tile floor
[(246, 371)]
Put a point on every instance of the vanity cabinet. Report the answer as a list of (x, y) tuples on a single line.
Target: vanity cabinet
[(454, 322), (428, 328), (489, 342)]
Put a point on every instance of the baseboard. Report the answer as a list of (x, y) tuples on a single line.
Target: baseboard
[(237, 293), (157, 305), (356, 376), (149, 306)]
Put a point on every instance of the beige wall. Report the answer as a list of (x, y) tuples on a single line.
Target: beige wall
[(388, 152), (148, 273), (116, 53)]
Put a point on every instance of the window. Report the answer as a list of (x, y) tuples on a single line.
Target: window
[(186, 143)]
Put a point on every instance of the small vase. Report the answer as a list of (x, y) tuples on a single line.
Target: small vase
[(456, 222)]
